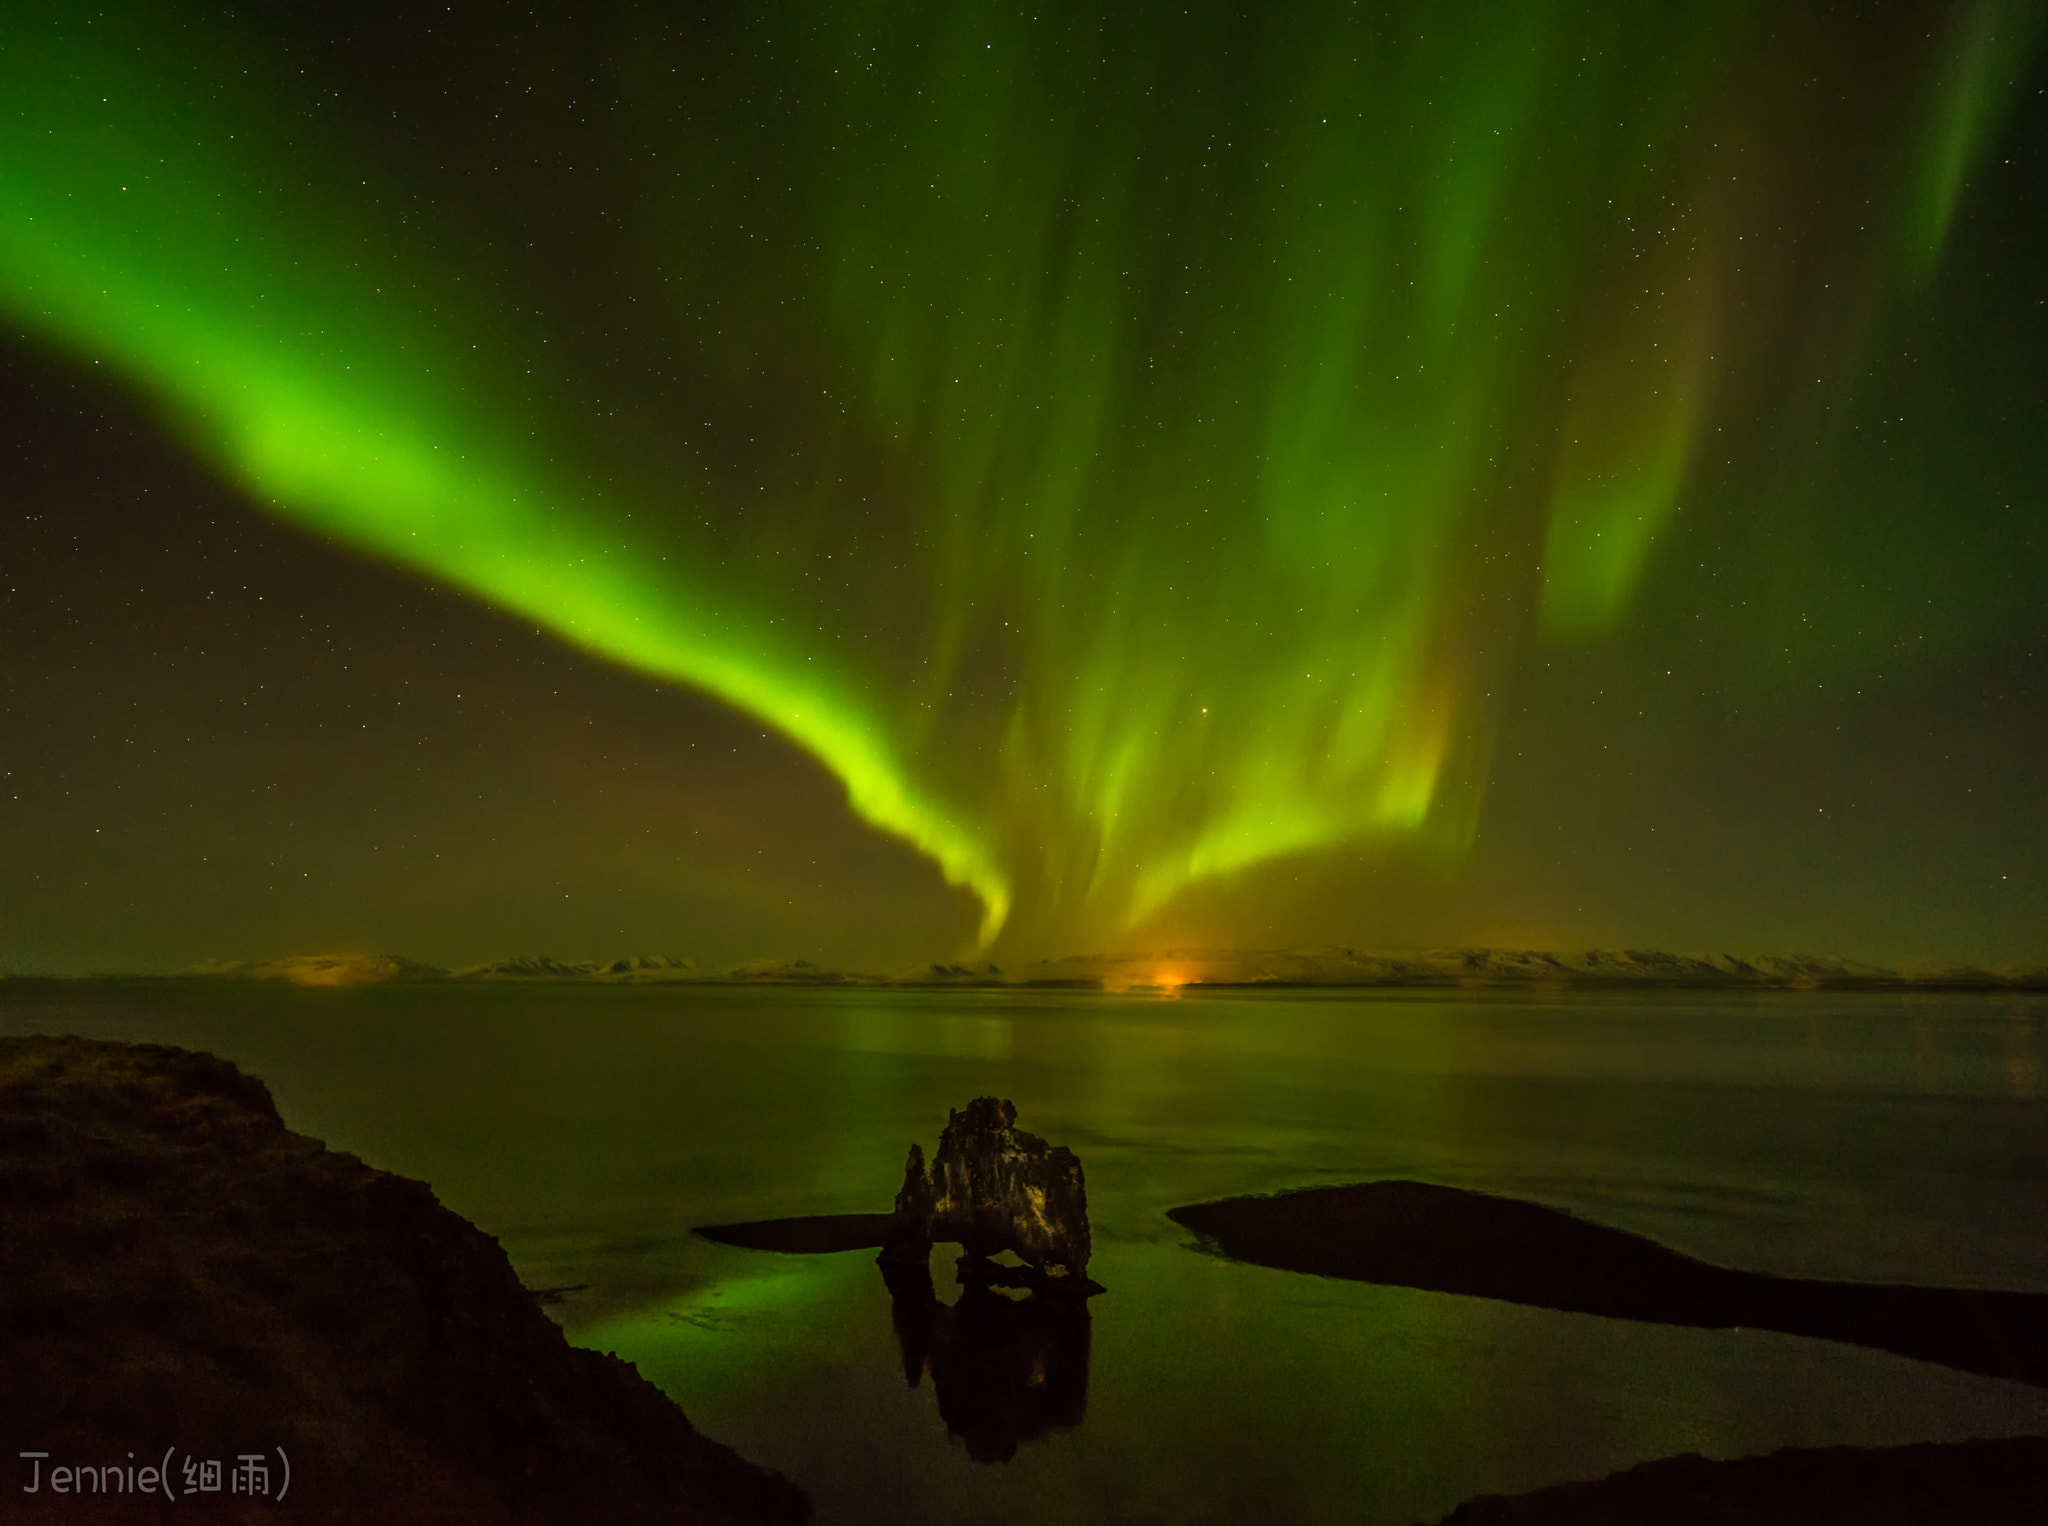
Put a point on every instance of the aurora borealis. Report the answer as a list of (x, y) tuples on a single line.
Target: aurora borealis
[(1139, 452)]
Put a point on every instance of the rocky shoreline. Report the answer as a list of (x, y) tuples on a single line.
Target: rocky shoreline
[(1959, 1483), (184, 1280)]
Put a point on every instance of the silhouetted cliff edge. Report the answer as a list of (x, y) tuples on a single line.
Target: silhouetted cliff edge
[(181, 1271)]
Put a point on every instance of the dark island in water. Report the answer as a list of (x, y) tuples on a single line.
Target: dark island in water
[(185, 1282), (1448, 1240)]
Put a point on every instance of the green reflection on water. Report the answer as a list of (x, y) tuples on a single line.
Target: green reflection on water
[(590, 1129)]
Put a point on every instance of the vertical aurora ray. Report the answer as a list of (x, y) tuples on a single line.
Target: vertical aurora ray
[(1125, 447)]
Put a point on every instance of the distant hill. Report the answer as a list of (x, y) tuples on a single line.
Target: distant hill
[(1176, 969), (322, 969), (1454, 967), (1628, 968)]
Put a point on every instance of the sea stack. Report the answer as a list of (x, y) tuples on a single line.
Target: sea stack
[(994, 1188)]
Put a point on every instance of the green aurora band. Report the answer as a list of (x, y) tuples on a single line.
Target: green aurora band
[(1125, 447)]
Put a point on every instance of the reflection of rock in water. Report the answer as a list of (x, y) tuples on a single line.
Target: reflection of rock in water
[(1006, 1370)]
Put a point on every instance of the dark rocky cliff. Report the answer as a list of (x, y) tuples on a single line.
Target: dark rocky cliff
[(180, 1270)]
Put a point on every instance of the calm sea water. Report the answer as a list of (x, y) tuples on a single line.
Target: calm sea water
[(1863, 1137)]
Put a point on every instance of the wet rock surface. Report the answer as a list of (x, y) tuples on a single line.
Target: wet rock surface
[(180, 1270), (820, 1234)]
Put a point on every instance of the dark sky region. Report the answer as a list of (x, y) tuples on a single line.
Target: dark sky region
[(883, 482)]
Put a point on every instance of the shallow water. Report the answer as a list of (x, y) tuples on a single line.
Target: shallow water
[(1866, 1137)]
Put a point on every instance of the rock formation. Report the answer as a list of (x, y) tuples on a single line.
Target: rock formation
[(994, 1188), (909, 1241)]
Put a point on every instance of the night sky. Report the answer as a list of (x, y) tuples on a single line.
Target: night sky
[(900, 481)]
